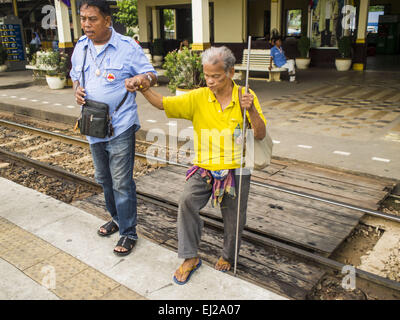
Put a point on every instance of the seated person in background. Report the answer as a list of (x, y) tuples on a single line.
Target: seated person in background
[(280, 60), (184, 43)]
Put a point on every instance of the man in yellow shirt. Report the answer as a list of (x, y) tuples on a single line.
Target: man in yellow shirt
[(217, 121)]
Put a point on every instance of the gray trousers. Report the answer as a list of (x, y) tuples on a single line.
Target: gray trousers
[(195, 197)]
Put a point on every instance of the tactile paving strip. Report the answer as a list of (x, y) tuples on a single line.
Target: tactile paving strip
[(66, 276)]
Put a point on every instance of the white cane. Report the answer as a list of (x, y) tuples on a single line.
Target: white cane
[(241, 158)]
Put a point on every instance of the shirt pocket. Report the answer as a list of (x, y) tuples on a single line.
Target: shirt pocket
[(113, 74)]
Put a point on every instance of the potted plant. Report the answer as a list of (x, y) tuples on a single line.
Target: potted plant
[(3, 58), (344, 62), (158, 52), (184, 71), (55, 64), (303, 46)]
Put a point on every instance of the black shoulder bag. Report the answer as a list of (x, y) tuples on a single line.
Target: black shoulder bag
[(95, 120)]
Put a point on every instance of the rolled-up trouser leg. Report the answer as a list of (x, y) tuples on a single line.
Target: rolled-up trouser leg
[(195, 196), (229, 214)]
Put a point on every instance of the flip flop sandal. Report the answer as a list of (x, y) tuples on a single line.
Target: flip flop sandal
[(192, 270), (223, 262), (110, 227), (126, 243)]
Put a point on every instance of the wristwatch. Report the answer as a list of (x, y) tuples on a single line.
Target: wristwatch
[(149, 77)]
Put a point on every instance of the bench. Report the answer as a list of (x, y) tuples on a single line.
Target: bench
[(260, 60)]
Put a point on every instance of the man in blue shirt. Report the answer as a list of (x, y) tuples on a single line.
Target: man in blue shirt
[(278, 55), (111, 60)]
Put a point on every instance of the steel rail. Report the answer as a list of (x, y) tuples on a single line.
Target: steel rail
[(84, 143), (212, 222)]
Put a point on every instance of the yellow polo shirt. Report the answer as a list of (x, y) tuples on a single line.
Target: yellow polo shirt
[(216, 132)]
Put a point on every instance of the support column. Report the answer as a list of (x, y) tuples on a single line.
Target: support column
[(15, 7), (200, 25), (360, 50), (156, 23), (64, 31), (76, 21), (144, 22), (276, 14), (63, 26)]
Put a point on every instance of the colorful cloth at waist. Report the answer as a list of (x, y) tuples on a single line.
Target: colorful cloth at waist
[(220, 187)]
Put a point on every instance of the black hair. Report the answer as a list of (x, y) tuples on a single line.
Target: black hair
[(102, 5)]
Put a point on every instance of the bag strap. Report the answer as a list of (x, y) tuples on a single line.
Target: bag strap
[(83, 82), (83, 68)]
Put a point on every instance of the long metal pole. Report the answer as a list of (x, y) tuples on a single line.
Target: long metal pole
[(241, 159)]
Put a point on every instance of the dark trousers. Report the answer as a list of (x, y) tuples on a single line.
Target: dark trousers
[(195, 197)]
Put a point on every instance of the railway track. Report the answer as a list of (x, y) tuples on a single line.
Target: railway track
[(257, 248)]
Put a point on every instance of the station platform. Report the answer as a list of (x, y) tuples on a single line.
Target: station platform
[(345, 120), (50, 250)]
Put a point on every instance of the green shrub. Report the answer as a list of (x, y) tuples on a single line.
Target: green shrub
[(304, 46), (158, 47), (184, 70), (344, 46), (55, 62)]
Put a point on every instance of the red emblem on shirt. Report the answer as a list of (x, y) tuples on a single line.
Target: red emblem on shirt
[(110, 77)]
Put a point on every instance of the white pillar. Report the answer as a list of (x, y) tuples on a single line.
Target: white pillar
[(156, 23), (63, 25), (201, 25), (363, 20), (76, 21), (144, 18), (276, 14)]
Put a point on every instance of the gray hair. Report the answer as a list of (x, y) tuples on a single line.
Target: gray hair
[(214, 55)]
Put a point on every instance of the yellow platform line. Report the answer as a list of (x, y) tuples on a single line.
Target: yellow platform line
[(65, 276)]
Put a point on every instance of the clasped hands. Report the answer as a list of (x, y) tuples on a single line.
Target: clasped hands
[(139, 82)]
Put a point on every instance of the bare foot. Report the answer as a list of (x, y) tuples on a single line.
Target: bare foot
[(222, 265), (183, 271)]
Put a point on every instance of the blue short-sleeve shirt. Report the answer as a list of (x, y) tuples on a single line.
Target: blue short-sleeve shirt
[(278, 56), (123, 59)]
